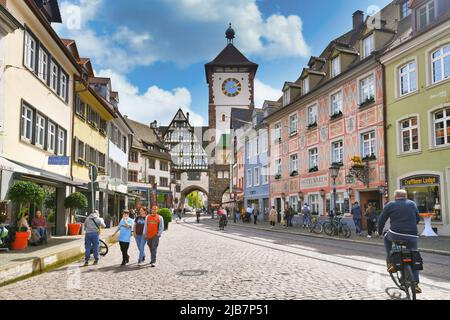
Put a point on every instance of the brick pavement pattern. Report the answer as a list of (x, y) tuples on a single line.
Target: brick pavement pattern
[(197, 261)]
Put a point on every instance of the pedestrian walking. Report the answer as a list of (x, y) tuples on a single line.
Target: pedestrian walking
[(153, 229), (306, 211), (236, 212), (357, 215), (92, 229), (371, 220), (125, 230), (255, 215), (139, 224), (273, 217)]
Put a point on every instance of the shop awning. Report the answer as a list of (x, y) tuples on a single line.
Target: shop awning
[(7, 165)]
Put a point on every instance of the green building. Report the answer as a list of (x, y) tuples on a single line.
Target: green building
[(417, 73)]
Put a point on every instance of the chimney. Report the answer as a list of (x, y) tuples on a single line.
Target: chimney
[(358, 19), (187, 115), (154, 125)]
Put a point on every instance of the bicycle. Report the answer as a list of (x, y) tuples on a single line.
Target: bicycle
[(103, 248), (222, 223), (335, 227), (315, 226), (405, 261)]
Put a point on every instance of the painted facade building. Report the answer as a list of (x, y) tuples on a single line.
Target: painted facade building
[(149, 167), (417, 68), (256, 172), (37, 114), (330, 115)]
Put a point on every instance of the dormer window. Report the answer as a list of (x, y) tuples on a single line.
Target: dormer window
[(368, 46), (425, 14), (405, 10), (286, 97), (305, 85), (335, 66)]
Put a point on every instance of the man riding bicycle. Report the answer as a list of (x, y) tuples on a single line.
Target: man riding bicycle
[(404, 217), (222, 218)]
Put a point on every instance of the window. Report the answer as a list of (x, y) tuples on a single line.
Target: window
[(442, 127), (293, 163), (53, 76), (368, 46), (409, 133), (163, 182), (132, 176), (278, 167), (61, 142), (152, 163), (368, 144), (51, 142), (125, 142), (80, 107), (405, 10), (305, 86), (64, 87), (336, 103), (256, 176), (43, 65), (27, 123), (40, 130), (286, 97), (30, 51), (314, 203), (163, 166), (340, 202), (151, 180), (224, 118), (335, 66), (249, 178), (293, 203), (101, 161), (124, 175), (278, 132), (408, 78), (425, 14), (264, 142), (265, 174), (293, 124), (312, 115), (79, 150), (103, 126), (337, 152), (367, 89), (440, 60), (313, 158), (134, 156)]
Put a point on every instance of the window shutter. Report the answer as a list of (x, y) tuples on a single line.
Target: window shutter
[(328, 206), (75, 150), (346, 206)]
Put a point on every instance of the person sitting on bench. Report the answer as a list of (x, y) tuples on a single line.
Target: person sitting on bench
[(38, 223)]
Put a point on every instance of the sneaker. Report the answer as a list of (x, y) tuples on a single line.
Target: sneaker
[(86, 263), (369, 237), (152, 265), (418, 289), (123, 263), (95, 262)]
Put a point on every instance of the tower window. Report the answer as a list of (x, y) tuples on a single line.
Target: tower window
[(223, 118)]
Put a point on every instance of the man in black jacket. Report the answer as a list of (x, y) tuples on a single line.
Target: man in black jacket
[(404, 217)]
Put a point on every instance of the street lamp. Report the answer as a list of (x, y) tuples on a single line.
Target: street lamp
[(334, 173)]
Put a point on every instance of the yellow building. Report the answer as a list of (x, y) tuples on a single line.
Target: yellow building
[(92, 113)]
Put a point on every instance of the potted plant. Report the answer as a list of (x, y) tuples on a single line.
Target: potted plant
[(73, 202), (24, 194), (167, 216)]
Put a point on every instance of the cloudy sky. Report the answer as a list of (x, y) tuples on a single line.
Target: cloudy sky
[(155, 50)]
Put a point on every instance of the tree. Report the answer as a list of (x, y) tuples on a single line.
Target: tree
[(161, 199), (195, 200), (24, 193), (75, 201)]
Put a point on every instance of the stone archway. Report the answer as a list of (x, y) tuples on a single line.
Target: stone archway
[(188, 190)]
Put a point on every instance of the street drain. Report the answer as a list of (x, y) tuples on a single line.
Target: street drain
[(192, 273)]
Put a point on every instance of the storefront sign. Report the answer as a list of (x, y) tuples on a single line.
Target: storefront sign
[(58, 161), (314, 182), (420, 180)]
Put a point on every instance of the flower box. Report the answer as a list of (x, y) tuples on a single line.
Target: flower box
[(277, 176), (337, 116), (312, 126), (367, 102), (294, 173), (315, 169), (370, 158)]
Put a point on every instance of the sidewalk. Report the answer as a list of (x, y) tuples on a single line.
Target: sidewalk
[(34, 260), (439, 245)]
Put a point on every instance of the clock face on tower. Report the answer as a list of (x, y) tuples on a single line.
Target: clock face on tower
[(231, 87)]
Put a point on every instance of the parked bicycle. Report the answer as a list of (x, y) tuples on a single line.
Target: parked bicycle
[(315, 226), (404, 261), (103, 248), (335, 227)]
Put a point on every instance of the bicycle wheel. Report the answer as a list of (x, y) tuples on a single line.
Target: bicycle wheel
[(318, 228), (328, 228), (410, 283), (103, 248), (345, 231)]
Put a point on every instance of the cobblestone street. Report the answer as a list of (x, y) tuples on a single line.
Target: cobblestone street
[(196, 261)]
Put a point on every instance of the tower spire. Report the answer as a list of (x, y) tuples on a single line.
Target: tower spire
[(230, 34)]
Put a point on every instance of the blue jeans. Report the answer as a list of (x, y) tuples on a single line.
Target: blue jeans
[(357, 225), (140, 242), (91, 241), (412, 243), (153, 245), (42, 231)]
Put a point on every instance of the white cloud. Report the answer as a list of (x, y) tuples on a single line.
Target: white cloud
[(265, 92), (154, 104)]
